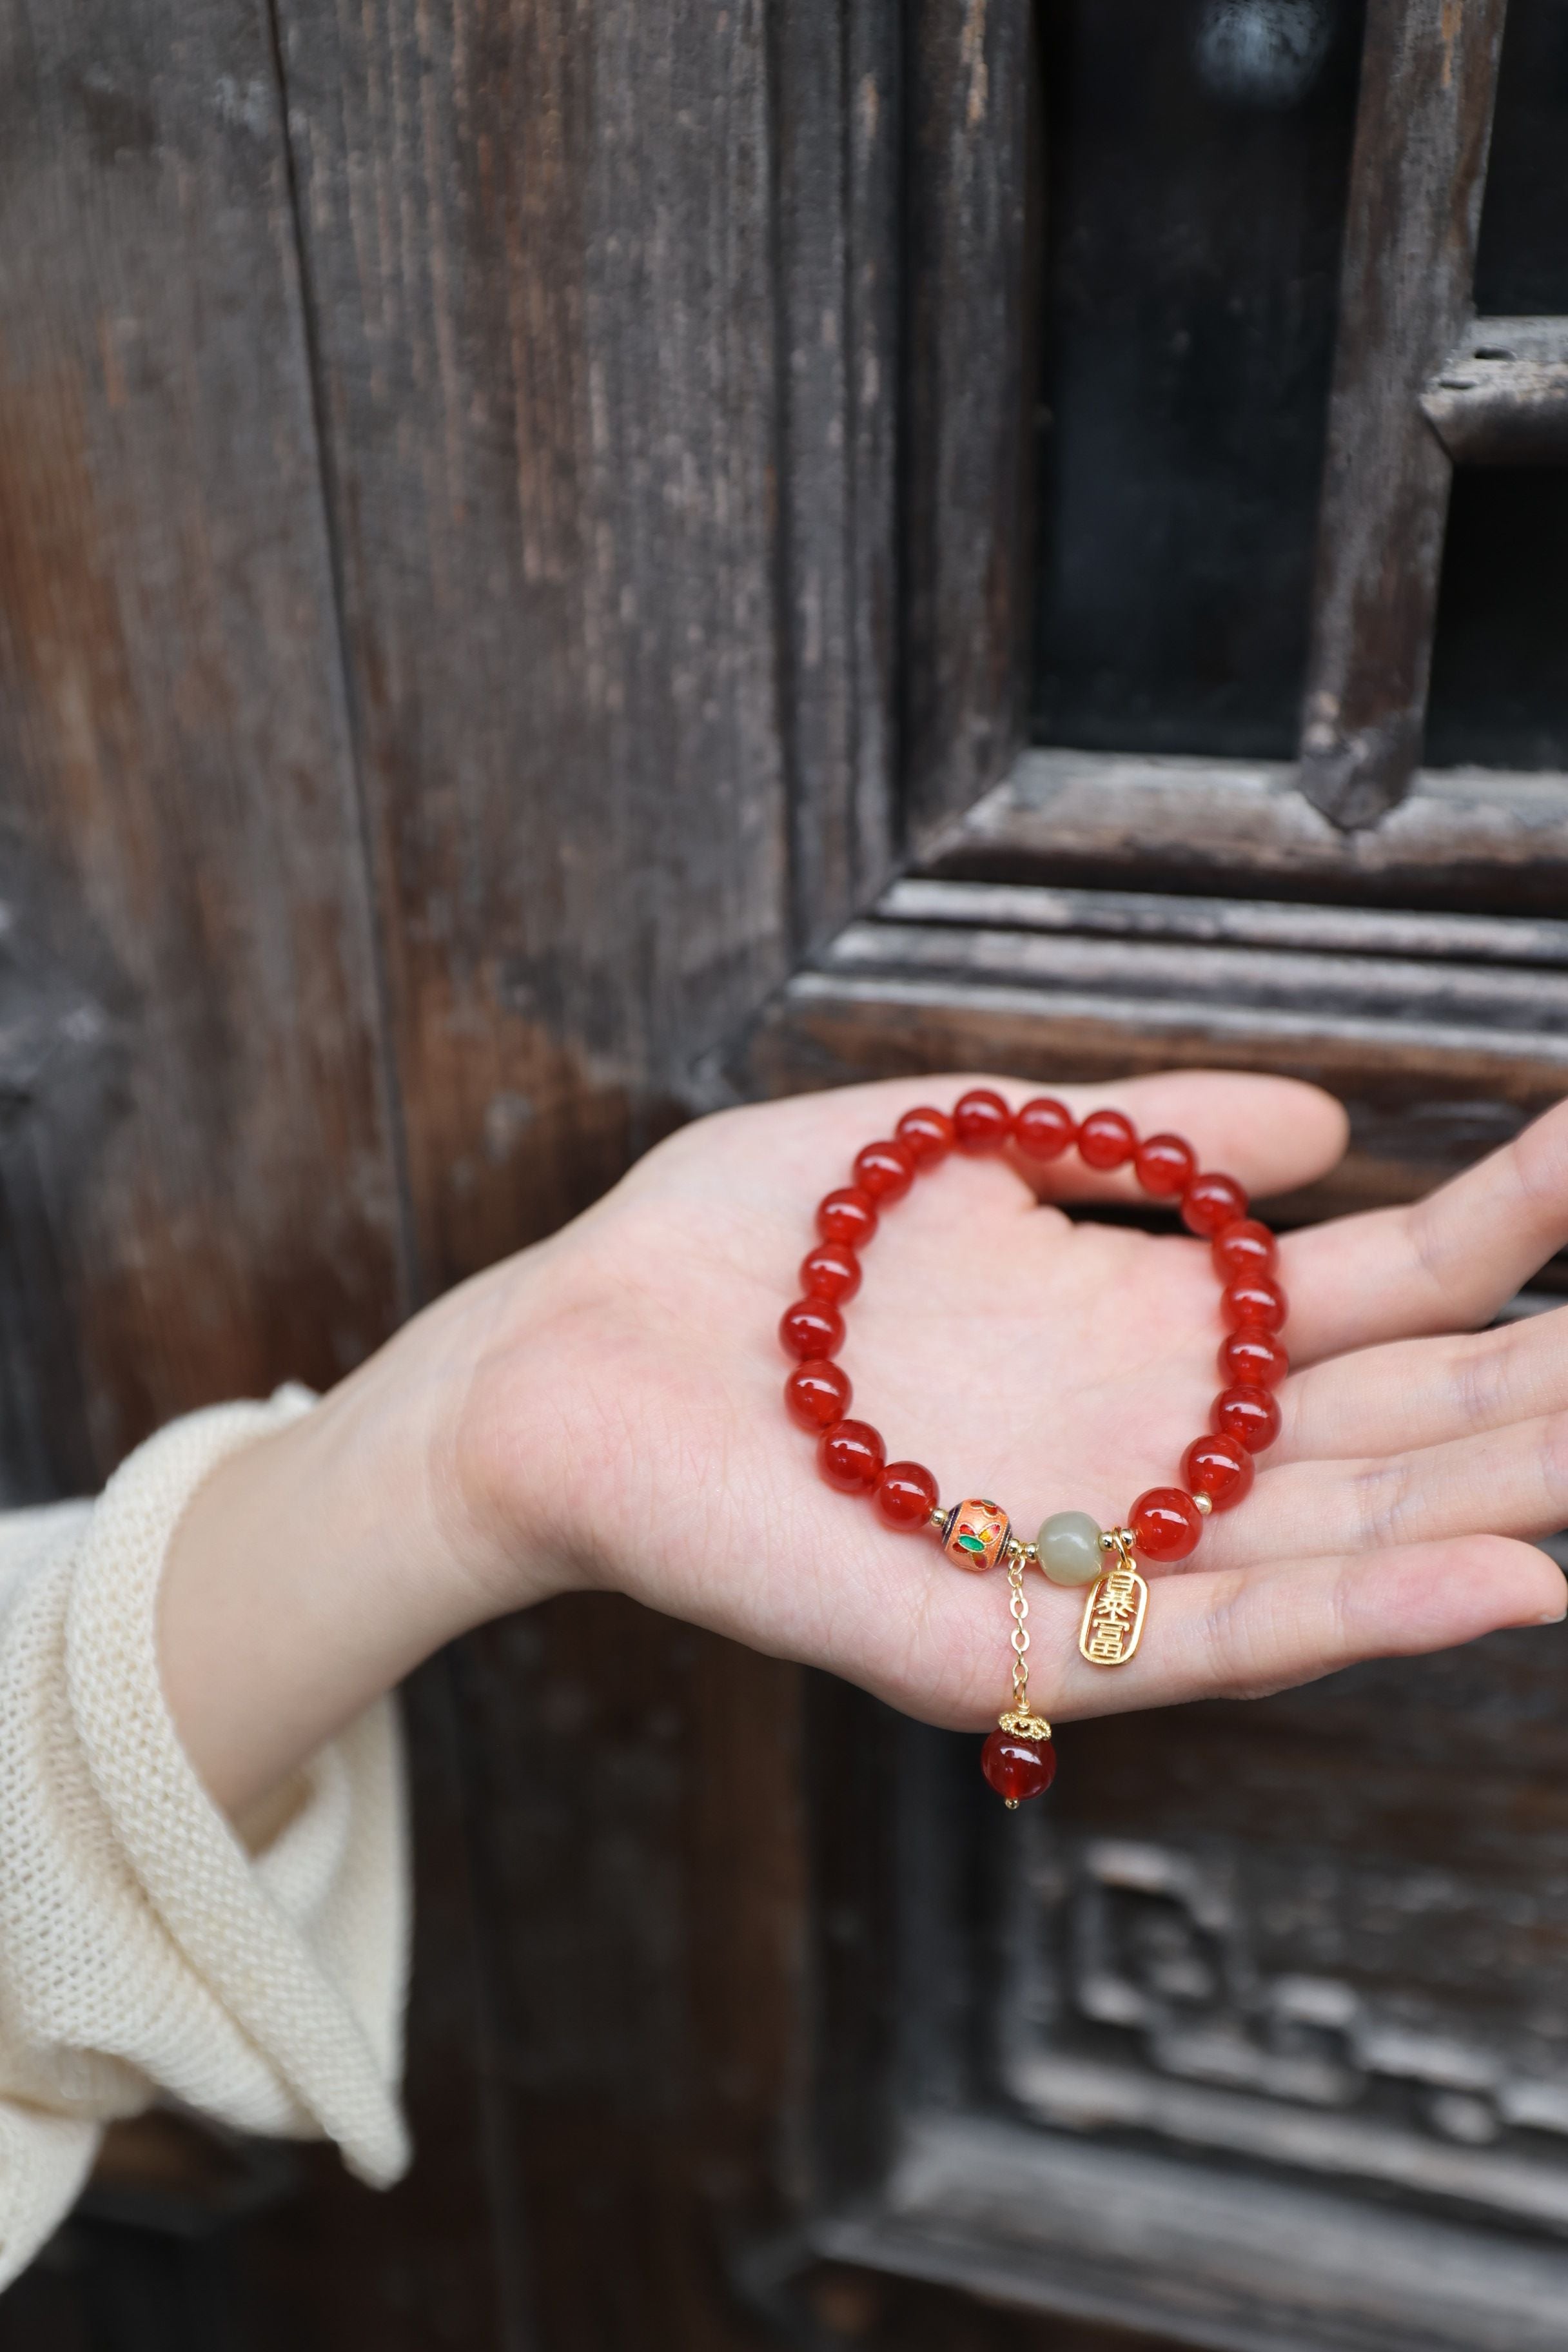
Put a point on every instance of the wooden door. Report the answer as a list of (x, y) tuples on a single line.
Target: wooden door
[(560, 564)]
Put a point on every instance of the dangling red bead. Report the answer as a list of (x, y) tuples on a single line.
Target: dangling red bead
[(1220, 1467), (1016, 1767), (1252, 1303), (1165, 1165), (1106, 1141), (1253, 1357), (1249, 1414), (926, 1135), (848, 1215), (1166, 1523), (851, 1456), (817, 1394), (812, 1326), (982, 1120), (906, 1495), (1043, 1128), (885, 1170), (1241, 1248), (830, 1271)]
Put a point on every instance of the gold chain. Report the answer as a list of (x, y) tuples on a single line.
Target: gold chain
[(1019, 1716)]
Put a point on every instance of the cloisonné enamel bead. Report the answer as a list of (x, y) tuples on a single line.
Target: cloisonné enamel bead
[(975, 1534)]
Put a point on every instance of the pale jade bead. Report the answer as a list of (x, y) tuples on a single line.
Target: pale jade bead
[(1068, 1546)]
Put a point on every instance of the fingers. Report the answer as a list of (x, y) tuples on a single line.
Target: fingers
[(1228, 1633), (1444, 1263), (1417, 1392), (1512, 1481), (1272, 1134)]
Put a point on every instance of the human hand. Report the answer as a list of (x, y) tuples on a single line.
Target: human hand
[(1054, 1364), (605, 1410)]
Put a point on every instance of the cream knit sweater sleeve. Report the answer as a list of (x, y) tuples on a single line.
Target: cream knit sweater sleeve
[(146, 1951)]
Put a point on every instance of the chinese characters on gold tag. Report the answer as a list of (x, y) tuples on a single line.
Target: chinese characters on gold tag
[(1113, 1616)]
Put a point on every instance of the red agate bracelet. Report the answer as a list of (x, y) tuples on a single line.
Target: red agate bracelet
[(1164, 1523)]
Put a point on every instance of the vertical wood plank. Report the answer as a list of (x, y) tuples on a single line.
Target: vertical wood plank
[(538, 245), (200, 1148), (1429, 78), (967, 373), (835, 75), (197, 1145)]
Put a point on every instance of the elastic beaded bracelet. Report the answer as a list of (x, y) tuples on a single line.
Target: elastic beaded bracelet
[(1164, 1523)]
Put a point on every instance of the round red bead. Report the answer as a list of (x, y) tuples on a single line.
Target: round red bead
[(1249, 1414), (1211, 1202), (1253, 1357), (851, 1456), (1165, 1165), (885, 1170), (1166, 1523), (926, 1135), (830, 1271), (1254, 1302), (906, 1495), (982, 1120), (1241, 1248), (1220, 1467), (1016, 1767), (1106, 1139), (812, 1326), (1043, 1128), (848, 1215), (817, 1394)]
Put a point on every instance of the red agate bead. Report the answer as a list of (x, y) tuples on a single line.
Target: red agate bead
[(926, 1135), (851, 1456), (817, 1394), (848, 1215), (1243, 1248), (1253, 1302), (1211, 1202), (906, 1495), (812, 1326), (885, 1170), (1016, 1767), (830, 1271), (982, 1121), (1166, 1523), (1220, 1467), (1253, 1357), (1106, 1141), (1043, 1128), (1249, 1414), (1165, 1165)]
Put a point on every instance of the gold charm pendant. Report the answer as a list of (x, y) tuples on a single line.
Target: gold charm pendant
[(1113, 1614)]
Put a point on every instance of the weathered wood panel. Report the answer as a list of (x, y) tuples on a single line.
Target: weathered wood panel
[(837, 128), (198, 1151), (971, 99), (183, 839), (537, 253), (1474, 838), (1429, 79), (1500, 397)]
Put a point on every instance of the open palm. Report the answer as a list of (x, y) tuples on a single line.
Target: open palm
[(1050, 1362)]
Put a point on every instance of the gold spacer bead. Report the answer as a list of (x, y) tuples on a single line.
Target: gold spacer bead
[(1011, 1803), (1204, 1503)]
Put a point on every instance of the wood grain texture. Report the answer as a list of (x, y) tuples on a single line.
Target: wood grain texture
[(183, 840), (1439, 1046), (1500, 397), (971, 110), (836, 130), (1472, 838), (537, 249), (1428, 80)]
